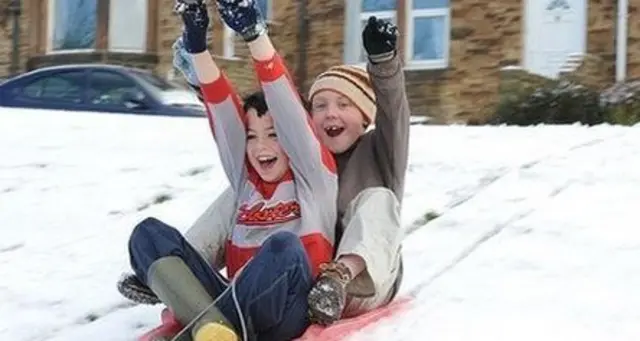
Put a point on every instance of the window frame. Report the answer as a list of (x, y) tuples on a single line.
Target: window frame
[(51, 13), (353, 33), (145, 43), (127, 78), (363, 16), (21, 86), (102, 34), (411, 16), (228, 43)]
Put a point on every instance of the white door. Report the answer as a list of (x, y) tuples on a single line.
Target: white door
[(553, 29)]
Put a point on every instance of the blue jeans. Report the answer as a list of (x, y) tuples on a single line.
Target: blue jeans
[(272, 289)]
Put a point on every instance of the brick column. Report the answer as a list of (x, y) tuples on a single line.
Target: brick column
[(401, 18)]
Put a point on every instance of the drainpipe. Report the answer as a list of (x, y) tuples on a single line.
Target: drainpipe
[(303, 37), (621, 46), (14, 9)]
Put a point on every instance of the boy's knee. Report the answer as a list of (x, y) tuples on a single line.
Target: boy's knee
[(146, 230), (376, 197), (283, 241)]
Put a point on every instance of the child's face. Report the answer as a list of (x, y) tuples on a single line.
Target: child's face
[(263, 150), (337, 120)]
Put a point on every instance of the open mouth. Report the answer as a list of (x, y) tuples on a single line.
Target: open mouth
[(267, 162), (333, 131)]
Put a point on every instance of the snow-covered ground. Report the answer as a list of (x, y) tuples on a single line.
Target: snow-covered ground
[(537, 236)]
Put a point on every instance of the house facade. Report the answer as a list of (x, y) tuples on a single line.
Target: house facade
[(457, 53)]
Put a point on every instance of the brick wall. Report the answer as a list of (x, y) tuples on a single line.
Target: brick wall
[(601, 35), (6, 37), (485, 36), (633, 44)]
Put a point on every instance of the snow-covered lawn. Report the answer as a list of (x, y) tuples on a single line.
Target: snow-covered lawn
[(537, 235)]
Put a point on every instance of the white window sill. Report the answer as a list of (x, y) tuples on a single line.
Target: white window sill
[(361, 65), (72, 51), (417, 65), (426, 65), (129, 51), (230, 58), (81, 51)]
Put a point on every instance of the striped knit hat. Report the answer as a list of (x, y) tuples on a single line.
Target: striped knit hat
[(352, 82)]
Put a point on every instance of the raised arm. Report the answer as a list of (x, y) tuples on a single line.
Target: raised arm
[(224, 111), (311, 161), (391, 134), (226, 118)]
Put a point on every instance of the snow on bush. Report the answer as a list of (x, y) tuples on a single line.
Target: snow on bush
[(562, 102)]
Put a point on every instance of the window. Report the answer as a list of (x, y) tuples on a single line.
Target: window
[(128, 25), (425, 37), (428, 34), (382, 9), (110, 88), (265, 8), (229, 38), (155, 81), (74, 25), (62, 87)]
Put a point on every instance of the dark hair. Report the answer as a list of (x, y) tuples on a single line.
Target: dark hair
[(257, 101)]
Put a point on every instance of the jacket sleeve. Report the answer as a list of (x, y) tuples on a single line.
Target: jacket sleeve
[(210, 232), (227, 123), (391, 133), (310, 160)]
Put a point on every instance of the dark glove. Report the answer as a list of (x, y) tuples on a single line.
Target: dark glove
[(196, 23), (328, 296), (379, 38), (243, 17), (132, 288)]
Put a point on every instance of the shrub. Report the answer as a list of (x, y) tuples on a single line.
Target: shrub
[(621, 103), (561, 102)]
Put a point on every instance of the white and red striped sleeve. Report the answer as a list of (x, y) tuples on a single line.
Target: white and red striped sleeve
[(227, 121), (310, 160)]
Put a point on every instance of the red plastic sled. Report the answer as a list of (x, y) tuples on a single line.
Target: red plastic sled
[(165, 331), (344, 328), (336, 332)]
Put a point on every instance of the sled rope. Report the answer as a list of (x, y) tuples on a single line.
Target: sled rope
[(234, 296)]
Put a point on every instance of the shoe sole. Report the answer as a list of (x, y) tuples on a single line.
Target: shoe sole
[(215, 332)]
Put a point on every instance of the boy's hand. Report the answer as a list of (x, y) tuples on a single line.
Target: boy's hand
[(196, 23), (379, 38), (328, 296), (243, 17)]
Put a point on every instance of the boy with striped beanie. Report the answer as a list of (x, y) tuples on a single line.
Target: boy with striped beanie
[(346, 100)]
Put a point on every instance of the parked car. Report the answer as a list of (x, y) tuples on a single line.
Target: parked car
[(99, 88)]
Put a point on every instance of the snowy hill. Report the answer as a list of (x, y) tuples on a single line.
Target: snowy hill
[(537, 236)]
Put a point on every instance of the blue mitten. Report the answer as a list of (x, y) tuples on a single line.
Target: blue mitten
[(196, 23), (183, 61), (243, 17)]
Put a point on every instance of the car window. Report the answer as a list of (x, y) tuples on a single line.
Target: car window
[(155, 81), (65, 86), (111, 88)]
